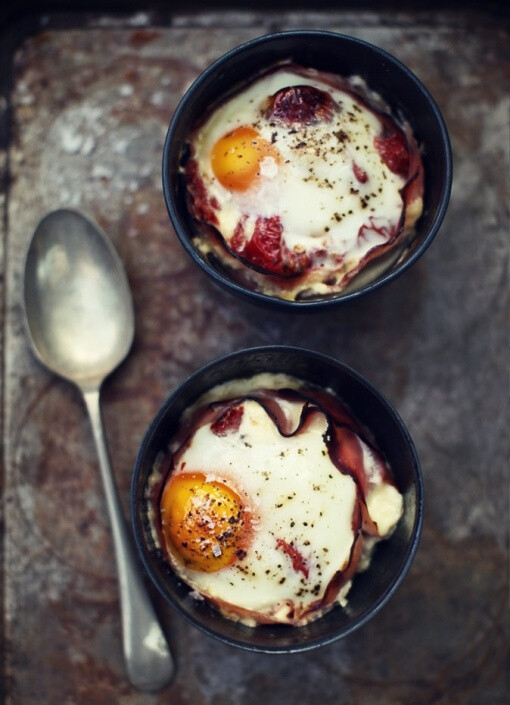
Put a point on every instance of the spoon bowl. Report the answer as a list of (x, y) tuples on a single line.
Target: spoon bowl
[(78, 305), (80, 322)]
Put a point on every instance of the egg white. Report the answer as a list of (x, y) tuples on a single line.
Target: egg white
[(293, 492)]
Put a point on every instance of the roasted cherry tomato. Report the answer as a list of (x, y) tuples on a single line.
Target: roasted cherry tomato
[(303, 105), (265, 247), (392, 149)]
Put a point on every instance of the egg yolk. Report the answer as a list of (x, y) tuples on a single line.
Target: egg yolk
[(236, 158), (204, 521)]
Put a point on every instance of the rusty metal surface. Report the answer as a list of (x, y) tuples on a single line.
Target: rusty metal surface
[(90, 108)]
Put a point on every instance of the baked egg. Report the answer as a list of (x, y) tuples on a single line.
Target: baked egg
[(301, 180), (270, 500)]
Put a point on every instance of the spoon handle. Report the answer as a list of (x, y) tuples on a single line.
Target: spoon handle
[(148, 659)]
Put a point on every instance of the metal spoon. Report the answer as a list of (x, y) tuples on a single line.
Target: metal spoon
[(80, 320)]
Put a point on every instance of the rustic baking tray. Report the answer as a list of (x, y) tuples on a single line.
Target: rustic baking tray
[(87, 93)]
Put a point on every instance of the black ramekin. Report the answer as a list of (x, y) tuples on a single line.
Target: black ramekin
[(325, 51), (372, 588)]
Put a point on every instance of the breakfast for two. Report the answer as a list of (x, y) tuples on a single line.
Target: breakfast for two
[(270, 499), (303, 183)]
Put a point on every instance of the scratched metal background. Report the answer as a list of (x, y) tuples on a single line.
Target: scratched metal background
[(88, 108)]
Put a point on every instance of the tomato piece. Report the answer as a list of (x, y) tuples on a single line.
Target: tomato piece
[(359, 173), (228, 422), (304, 105), (265, 246), (265, 249), (237, 242), (393, 150), (201, 205), (298, 562)]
